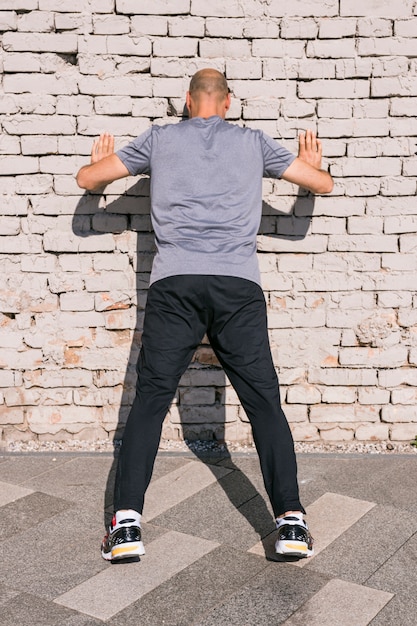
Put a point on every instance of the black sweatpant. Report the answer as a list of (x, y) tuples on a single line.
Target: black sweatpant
[(232, 311)]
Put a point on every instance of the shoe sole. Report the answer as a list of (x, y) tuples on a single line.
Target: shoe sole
[(126, 551), (293, 548)]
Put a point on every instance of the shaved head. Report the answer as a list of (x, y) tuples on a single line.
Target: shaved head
[(208, 82)]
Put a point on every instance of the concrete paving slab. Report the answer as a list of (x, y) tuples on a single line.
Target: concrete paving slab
[(23, 514), (133, 581), (366, 545), (21, 468), (83, 479), (342, 603), (29, 609), (56, 555), (270, 597), (10, 492), (187, 480)]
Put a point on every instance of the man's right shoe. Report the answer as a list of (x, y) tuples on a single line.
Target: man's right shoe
[(123, 539), (294, 538)]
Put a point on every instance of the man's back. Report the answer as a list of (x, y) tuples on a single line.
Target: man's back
[(206, 191)]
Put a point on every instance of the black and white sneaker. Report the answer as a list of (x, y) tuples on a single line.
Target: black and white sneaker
[(294, 538), (123, 539)]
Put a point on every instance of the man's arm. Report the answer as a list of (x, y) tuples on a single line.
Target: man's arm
[(306, 170), (105, 166)]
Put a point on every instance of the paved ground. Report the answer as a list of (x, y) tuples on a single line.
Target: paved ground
[(208, 536)]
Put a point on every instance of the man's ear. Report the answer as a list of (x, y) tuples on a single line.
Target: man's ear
[(188, 101), (228, 102)]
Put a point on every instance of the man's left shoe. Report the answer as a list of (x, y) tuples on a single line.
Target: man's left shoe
[(294, 538)]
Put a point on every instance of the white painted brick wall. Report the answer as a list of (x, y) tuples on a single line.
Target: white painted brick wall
[(338, 272)]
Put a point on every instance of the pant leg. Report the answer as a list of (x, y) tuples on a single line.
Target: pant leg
[(173, 327), (239, 337)]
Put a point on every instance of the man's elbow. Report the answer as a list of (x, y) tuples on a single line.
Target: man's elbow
[(84, 180), (325, 185)]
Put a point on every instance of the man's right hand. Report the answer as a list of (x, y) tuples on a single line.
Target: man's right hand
[(309, 149)]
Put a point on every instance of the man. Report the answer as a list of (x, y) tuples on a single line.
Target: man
[(206, 196)]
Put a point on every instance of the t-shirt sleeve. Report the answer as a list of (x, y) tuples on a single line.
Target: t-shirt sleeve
[(136, 156), (276, 157)]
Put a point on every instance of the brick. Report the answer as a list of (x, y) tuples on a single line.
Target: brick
[(298, 28), (387, 46), (18, 165), (406, 395), (9, 145), (18, 5), (405, 28), (156, 7), (374, 27), (149, 25), (336, 28), (335, 109), (38, 144), (374, 357), (398, 186), (8, 20), (11, 416), (280, 69), (343, 413), (132, 46), (277, 48), (399, 413), (339, 395), (175, 46), (334, 89), (354, 68), (403, 106), (383, 8), (122, 85), (382, 166), (76, 301), (305, 432), (113, 105), (217, 8), (372, 432), (38, 124), (373, 395), (259, 27), (34, 42), (78, 22), (316, 68), (13, 205), (326, 49), (403, 432), (303, 8), (365, 225), (110, 24), (92, 44), (224, 27), (303, 394), (36, 22), (38, 183), (50, 420), (395, 86), (235, 48), (186, 27), (403, 127)]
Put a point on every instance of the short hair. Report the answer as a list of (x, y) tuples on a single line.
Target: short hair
[(208, 81)]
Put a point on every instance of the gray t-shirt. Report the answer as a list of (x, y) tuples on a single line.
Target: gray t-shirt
[(206, 193)]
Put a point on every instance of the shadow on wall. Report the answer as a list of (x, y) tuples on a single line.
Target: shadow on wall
[(200, 408)]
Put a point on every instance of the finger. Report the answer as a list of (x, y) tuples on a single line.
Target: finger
[(111, 144), (301, 143), (309, 139), (94, 150), (319, 147)]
